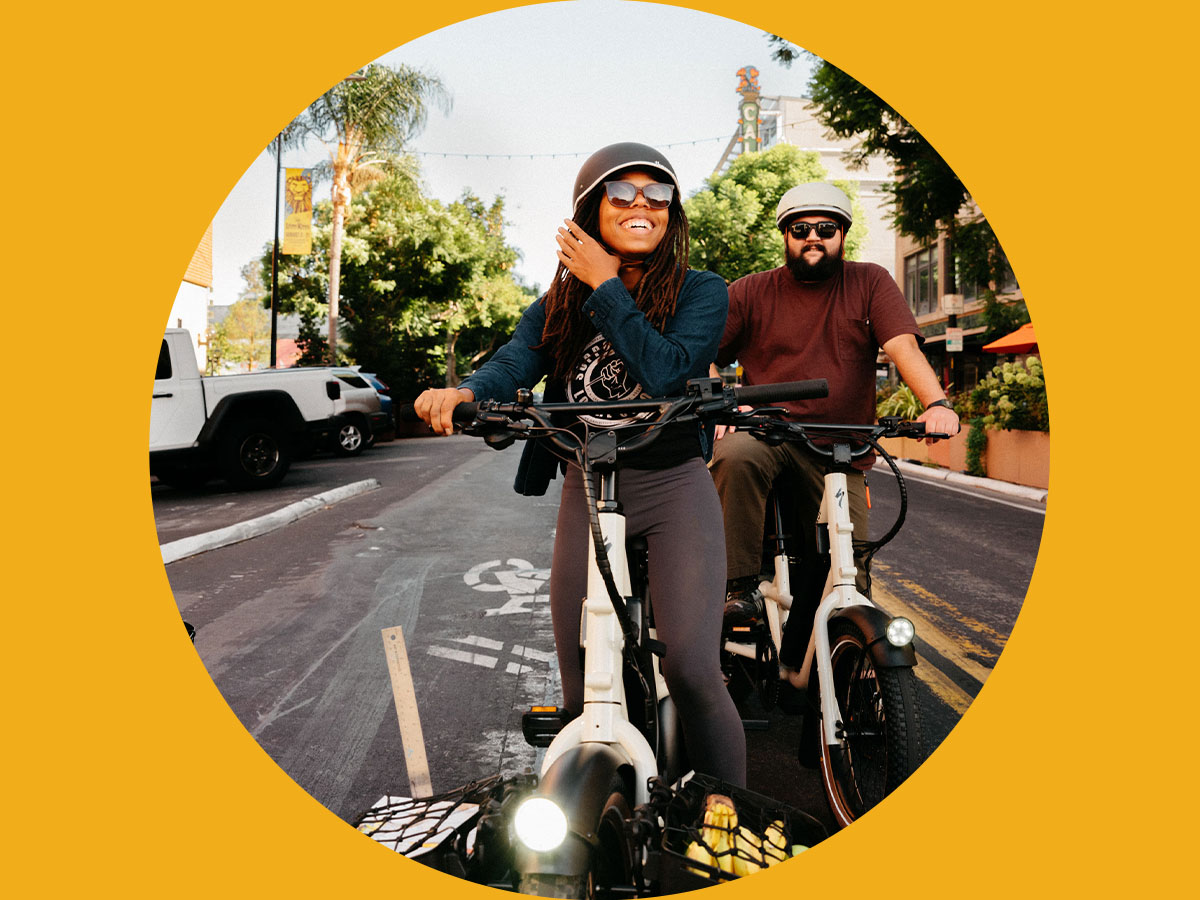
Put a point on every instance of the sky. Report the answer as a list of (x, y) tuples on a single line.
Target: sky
[(555, 82)]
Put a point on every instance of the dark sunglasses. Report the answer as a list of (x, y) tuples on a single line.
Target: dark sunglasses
[(825, 230), (621, 194)]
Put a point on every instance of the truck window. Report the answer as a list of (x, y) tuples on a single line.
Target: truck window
[(164, 363)]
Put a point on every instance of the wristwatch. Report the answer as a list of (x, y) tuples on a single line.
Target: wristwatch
[(943, 402)]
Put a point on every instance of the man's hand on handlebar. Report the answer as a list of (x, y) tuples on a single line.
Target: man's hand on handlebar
[(939, 420), (436, 405)]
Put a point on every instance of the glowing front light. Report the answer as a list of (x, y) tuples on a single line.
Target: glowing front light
[(540, 824), (900, 632)]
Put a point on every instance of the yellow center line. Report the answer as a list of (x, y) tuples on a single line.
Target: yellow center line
[(944, 606), (949, 692)]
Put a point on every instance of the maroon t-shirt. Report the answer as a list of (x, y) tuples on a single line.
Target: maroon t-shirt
[(780, 329)]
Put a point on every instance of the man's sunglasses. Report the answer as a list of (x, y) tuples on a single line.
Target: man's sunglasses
[(825, 230), (622, 194)]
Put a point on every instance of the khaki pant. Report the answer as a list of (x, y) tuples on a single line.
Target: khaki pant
[(744, 468)]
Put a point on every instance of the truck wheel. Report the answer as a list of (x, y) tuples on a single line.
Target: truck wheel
[(253, 455), (351, 439)]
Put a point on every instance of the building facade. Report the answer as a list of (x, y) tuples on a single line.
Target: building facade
[(790, 120), (922, 271)]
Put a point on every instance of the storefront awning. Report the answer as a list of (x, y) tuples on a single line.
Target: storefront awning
[(1023, 340)]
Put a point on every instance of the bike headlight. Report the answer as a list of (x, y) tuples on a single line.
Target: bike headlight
[(540, 825), (900, 632)]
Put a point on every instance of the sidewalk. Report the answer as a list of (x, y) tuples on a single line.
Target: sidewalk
[(929, 473)]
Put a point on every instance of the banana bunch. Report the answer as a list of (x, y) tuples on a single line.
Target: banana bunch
[(774, 843), (715, 848), (734, 848)]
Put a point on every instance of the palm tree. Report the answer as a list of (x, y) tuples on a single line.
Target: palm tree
[(363, 121)]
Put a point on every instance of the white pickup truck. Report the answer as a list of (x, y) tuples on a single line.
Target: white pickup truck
[(248, 427)]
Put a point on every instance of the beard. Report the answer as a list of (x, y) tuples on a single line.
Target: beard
[(823, 268)]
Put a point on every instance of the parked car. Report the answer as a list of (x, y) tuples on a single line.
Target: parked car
[(388, 432), (360, 409)]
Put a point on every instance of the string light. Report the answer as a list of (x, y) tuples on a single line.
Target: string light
[(446, 154)]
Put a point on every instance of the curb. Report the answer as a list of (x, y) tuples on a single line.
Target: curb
[(1037, 495), (242, 531)]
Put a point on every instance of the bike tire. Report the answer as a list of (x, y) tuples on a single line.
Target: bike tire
[(612, 858), (882, 728)]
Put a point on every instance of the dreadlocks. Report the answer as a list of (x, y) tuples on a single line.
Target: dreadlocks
[(568, 330)]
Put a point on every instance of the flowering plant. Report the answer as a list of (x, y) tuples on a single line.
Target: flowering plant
[(1012, 397)]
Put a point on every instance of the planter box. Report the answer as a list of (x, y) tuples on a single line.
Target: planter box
[(949, 454), (1021, 457)]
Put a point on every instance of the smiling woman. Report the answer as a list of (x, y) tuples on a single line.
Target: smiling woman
[(625, 318)]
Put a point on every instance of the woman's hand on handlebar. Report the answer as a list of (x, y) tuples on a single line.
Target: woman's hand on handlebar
[(436, 405)]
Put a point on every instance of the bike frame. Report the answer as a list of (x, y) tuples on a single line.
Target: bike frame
[(839, 593), (605, 717)]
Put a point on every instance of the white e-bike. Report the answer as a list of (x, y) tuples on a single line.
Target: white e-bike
[(574, 834), (863, 720)]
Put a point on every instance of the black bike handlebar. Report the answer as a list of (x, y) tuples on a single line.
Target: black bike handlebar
[(763, 394), (750, 395)]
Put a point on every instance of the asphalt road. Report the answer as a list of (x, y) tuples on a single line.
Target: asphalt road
[(289, 622)]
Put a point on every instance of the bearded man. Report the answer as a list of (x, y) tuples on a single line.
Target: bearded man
[(817, 316)]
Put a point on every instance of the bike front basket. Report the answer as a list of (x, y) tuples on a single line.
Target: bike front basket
[(683, 827)]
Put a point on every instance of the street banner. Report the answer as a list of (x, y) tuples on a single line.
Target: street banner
[(297, 223)]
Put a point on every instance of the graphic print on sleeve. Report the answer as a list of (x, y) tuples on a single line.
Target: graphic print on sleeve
[(601, 375)]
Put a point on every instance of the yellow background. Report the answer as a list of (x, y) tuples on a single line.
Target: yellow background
[(126, 771)]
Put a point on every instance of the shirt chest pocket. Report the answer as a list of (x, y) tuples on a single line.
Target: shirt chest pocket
[(855, 341)]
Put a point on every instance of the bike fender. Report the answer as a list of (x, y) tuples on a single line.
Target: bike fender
[(873, 622), (579, 782)]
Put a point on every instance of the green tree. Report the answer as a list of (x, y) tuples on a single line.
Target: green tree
[(732, 221), (363, 121), (427, 288), (928, 198), (244, 337)]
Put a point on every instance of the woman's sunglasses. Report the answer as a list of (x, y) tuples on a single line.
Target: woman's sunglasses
[(621, 194), (825, 230)]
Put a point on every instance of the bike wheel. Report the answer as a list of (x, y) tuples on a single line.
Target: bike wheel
[(881, 731), (612, 858)]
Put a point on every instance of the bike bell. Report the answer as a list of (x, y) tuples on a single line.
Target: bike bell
[(813, 198), (615, 158)]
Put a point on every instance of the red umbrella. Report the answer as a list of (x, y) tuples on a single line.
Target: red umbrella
[(1023, 340)]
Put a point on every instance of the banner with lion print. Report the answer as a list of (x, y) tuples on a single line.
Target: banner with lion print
[(297, 227)]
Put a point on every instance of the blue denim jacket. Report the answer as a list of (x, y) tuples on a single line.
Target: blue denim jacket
[(661, 362)]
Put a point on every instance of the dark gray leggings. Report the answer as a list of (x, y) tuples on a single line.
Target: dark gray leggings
[(678, 513)]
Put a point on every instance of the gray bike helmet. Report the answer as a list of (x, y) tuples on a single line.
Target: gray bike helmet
[(614, 158), (814, 198)]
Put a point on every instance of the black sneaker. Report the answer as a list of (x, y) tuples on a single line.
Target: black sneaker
[(743, 603)]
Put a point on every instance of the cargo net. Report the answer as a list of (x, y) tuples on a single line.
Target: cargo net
[(714, 832), (416, 827)]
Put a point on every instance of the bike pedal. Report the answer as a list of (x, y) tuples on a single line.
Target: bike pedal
[(541, 724)]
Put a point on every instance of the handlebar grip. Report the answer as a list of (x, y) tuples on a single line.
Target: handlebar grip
[(463, 413), (762, 394)]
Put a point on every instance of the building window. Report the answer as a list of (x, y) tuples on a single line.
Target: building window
[(1008, 280), (921, 281)]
